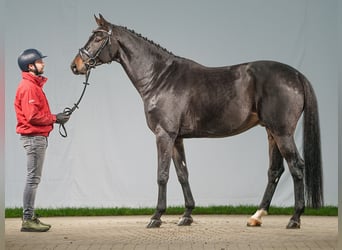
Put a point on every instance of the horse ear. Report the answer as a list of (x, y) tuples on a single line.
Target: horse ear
[(97, 20), (101, 21)]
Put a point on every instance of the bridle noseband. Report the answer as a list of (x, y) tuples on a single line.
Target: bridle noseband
[(91, 59)]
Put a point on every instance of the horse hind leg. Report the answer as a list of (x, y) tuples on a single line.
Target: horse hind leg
[(179, 161), (295, 163), (276, 169)]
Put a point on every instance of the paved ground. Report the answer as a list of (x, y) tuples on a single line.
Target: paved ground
[(220, 232)]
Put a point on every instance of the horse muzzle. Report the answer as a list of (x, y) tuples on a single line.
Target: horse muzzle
[(78, 67)]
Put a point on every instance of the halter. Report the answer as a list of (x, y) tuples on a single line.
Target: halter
[(91, 61)]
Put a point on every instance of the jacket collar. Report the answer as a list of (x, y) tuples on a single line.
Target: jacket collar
[(38, 80)]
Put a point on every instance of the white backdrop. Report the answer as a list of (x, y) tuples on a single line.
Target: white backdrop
[(109, 158)]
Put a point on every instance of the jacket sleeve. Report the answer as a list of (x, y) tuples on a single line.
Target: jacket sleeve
[(36, 108)]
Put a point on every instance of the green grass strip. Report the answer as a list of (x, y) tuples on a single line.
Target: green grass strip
[(236, 210)]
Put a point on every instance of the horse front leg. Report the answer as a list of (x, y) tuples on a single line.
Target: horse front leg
[(164, 147), (276, 168), (183, 178)]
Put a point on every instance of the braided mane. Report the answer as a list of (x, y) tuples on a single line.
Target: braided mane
[(145, 38)]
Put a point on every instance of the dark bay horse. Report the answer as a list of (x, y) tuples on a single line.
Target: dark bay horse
[(183, 99)]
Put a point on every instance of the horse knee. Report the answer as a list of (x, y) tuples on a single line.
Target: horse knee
[(162, 180), (163, 176), (33, 181)]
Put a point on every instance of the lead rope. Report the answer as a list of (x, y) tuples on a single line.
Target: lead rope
[(69, 111)]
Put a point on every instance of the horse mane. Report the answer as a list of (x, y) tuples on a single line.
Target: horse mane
[(146, 39)]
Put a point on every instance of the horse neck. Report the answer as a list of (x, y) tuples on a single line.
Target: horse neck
[(142, 60)]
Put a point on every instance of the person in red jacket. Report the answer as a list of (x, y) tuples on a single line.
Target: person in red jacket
[(34, 124)]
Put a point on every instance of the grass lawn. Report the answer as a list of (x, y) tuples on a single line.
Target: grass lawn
[(116, 211)]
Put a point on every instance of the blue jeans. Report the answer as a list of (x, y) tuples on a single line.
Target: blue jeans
[(35, 147)]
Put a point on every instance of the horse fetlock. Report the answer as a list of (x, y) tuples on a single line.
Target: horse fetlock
[(188, 211), (259, 213), (159, 212)]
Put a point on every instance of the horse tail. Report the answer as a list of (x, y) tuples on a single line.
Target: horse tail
[(312, 148)]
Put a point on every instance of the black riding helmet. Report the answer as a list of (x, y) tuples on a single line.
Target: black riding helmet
[(27, 57)]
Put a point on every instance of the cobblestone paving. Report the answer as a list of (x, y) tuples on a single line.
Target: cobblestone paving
[(210, 232)]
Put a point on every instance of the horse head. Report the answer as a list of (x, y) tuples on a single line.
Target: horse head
[(100, 48)]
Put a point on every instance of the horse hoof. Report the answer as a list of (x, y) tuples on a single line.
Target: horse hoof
[(252, 222), (293, 225), (185, 221), (155, 223)]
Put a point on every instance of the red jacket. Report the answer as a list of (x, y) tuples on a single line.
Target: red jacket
[(32, 108)]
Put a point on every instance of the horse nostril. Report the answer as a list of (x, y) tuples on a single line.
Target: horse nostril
[(73, 68)]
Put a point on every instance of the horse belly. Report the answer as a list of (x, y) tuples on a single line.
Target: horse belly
[(217, 126)]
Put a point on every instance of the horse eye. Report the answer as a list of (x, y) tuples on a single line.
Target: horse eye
[(98, 39)]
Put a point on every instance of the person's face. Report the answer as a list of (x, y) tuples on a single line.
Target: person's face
[(39, 66)]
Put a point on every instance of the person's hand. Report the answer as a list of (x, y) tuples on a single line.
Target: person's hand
[(62, 118)]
